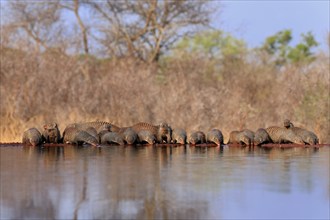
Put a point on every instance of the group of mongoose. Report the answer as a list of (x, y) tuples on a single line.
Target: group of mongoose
[(100, 132)]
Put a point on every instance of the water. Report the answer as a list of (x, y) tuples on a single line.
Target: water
[(164, 182)]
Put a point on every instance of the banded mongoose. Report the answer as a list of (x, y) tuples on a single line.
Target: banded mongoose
[(32, 136), (112, 138), (214, 136), (250, 136), (244, 139), (73, 135), (240, 137), (51, 133), (128, 135), (307, 136), (162, 132), (92, 131), (261, 137), (179, 136), (146, 136), (280, 135), (233, 137), (197, 137)]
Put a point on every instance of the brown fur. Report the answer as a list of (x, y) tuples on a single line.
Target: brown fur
[(73, 135), (261, 137), (146, 136), (32, 137), (51, 133), (214, 136), (162, 132), (112, 138), (197, 137), (283, 135), (233, 137), (179, 136)]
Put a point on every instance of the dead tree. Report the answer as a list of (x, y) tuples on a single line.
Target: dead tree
[(147, 28), (36, 20), (74, 6)]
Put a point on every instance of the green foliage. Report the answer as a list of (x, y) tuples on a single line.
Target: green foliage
[(278, 42), (213, 44), (302, 51), (278, 47)]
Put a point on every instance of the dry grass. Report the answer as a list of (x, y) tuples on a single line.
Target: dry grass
[(186, 92)]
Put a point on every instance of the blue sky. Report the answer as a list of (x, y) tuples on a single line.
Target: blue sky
[(255, 20)]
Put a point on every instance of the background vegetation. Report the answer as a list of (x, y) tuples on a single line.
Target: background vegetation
[(152, 61)]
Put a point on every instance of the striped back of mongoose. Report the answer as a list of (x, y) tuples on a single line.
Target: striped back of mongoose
[(92, 131), (128, 135), (250, 136), (32, 136), (215, 136), (244, 139), (145, 126), (197, 137), (261, 137), (179, 136), (51, 133), (283, 135), (248, 133), (98, 125), (146, 136), (73, 135), (112, 138), (308, 137), (163, 132), (115, 128), (233, 137)]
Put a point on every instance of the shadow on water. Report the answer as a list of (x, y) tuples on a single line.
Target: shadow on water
[(173, 182)]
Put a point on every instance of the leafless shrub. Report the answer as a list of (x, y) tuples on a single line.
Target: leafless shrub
[(145, 29), (37, 23)]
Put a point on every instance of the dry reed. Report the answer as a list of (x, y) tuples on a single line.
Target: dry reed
[(187, 92)]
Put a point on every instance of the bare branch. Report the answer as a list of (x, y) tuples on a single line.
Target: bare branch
[(74, 6), (148, 27), (37, 20)]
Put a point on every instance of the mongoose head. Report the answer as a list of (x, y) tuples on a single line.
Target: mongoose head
[(246, 140), (165, 132), (193, 138), (50, 126), (287, 123), (312, 140), (215, 139), (181, 140), (130, 138), (258, 140), (34, 140), (150, 139), (119, 140)]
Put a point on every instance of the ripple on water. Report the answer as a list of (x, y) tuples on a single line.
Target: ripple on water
[(164, 182)]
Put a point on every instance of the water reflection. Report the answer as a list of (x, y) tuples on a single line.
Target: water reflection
[(141, 182)]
